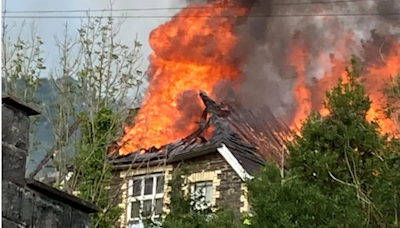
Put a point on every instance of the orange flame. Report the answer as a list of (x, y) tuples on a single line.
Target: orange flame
[(190, 54), (376, 75), (335, 71), (298, 59)]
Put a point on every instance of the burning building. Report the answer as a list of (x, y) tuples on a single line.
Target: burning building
[(258, 62), (238, 47), (220, 155)]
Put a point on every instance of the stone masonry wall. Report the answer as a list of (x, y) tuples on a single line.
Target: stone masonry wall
[(229, 189), (31, 203), (230, 185), (117, 190)]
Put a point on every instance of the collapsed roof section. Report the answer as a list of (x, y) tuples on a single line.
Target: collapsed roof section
[(248, 139)]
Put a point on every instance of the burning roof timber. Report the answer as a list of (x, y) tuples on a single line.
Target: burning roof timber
[(250, 139)]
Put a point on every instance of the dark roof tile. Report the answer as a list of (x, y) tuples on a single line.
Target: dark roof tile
[(246, 140)]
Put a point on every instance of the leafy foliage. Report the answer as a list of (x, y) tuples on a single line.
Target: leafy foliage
[(342, 171), (94, 170), (22, 63), (393, 94), (105, 75), (85, 106), (291, 202)]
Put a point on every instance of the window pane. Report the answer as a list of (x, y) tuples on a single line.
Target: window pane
[(148, 186), (208, 193), (135, 224), (200, 189), (197, 192), (135, 209), (203, 193), (158, 222), (137, 185), (159, 206), (146, 208), (160, 184)]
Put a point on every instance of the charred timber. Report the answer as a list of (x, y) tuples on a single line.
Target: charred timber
[(234, 126)]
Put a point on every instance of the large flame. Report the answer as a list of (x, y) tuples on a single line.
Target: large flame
[(299, 60), (193, 51), (377, 73), (190, 54)]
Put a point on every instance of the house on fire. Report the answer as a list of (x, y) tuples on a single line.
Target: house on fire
[(218, 167)]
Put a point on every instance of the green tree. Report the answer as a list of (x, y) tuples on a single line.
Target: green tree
[(105, 76), (95, 77), (102, 75), (393, 95), (341, 171), (95, 171), (22, 64), (393, 174), (107, 73)]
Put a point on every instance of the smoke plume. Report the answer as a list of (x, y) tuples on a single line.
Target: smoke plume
[(268, 55), (268, 77)]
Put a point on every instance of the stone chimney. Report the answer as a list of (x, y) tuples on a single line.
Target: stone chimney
[(15, 138), (27, 202)]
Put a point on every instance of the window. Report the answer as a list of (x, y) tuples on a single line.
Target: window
[(145, 199), (202, 194)]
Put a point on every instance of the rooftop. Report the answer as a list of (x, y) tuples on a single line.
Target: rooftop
[(249, 139)]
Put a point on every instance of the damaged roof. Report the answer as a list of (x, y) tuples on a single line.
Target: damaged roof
[(249, 142)]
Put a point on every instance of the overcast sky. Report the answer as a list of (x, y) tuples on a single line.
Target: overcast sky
[(48, 28)]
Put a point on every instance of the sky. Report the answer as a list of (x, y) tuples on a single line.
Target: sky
[(47, 28)]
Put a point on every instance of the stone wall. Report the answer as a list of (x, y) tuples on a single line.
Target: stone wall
[(118, 191), (29, 203), (229, 189)]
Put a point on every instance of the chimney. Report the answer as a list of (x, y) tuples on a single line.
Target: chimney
[(28, 202), (15, 135)]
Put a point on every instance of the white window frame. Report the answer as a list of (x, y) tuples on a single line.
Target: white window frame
[(154, 196), (206, 183)]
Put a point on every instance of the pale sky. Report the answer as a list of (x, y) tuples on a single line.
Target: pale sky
[(49, 27)]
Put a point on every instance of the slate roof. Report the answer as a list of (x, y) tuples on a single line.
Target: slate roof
[(246, 141), (267, 134)]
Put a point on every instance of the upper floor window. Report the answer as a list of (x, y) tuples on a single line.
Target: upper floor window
[(202, 194), (145, 199)]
